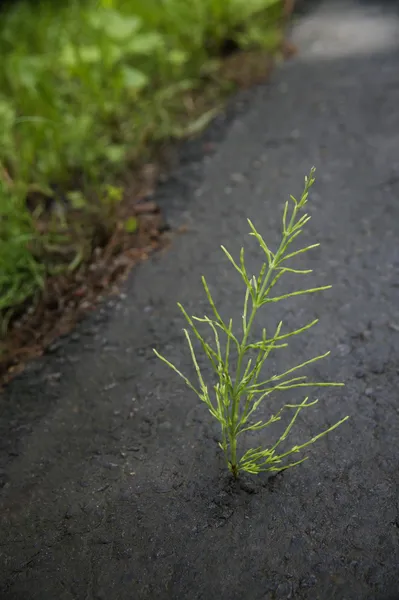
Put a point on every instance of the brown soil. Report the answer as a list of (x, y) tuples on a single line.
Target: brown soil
[(67, 297)]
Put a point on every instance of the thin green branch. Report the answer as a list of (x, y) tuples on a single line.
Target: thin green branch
[(238, 398)]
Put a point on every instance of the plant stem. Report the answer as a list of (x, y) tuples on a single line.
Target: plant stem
[(234, 470), (255, 306), (233, 455)]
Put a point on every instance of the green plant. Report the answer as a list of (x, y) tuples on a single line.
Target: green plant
[(88, 87), (237, 396), (21, 275)]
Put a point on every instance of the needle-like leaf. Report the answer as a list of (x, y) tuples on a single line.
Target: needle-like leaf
[(239, 395)]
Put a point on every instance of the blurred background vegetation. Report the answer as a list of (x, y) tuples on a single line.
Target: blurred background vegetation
[(87, 88)]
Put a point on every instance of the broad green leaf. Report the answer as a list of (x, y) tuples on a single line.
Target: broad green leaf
[(133, 78), (177, 57), (114, 24), (145, 43), (71, 55), (115, 153)]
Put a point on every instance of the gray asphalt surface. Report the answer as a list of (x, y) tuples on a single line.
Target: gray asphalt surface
[(112, 483)]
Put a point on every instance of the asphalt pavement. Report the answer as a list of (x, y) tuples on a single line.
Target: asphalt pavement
[(112, 484)]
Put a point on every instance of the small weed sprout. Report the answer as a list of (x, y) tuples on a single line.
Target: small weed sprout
[(237, 396)]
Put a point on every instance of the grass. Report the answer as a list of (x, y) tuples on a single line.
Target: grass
[(87, 88)]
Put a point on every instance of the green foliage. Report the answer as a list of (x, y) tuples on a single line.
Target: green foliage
[(20, 273), (87, 85), (239, 392), (76, 80), (131, 225)]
